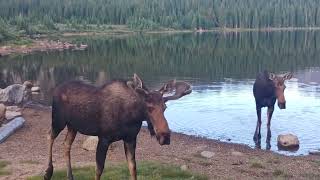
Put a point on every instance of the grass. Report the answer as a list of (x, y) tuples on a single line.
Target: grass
[(311, 176), (278, 172), (274, 161), (29, 162), (257, 165), (3, 165), (317, 162), (146, 171)]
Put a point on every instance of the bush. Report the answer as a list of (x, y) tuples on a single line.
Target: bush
[(5, 32)]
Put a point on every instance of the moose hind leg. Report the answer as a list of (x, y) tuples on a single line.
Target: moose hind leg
[(51, 137), (101, 153), (71, 134), (130, 149)]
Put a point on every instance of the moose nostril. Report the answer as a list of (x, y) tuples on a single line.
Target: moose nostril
[(164, 139), (282, 105)]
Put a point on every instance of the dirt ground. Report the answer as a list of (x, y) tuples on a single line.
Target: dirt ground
[(26, 151)]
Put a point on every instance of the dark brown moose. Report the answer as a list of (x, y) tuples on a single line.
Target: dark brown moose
[(268, 88), (112, 112)]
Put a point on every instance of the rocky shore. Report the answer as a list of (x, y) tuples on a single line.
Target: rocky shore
[(40, 46), (26, 154)]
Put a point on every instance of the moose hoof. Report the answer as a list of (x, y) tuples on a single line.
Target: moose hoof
[(48, 173), (70, 177)]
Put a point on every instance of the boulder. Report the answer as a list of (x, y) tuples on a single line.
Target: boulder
[(28, 84), (288, 141), (12, 114), (315, 153), (35, 89), (13, 108), (2, 113), (207, 154), (90, 144), (16, 94)]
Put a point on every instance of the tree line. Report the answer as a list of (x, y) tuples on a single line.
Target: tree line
[(36, 15)]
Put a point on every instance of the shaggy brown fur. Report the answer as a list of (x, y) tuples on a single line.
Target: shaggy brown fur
[(112, 112)]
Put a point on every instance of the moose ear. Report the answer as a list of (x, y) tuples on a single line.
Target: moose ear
[(168, 87), (142, 92), (137, 82), (287, 76), (272, 76)]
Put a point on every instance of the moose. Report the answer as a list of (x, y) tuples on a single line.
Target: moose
[(268, 88), (114, 111)]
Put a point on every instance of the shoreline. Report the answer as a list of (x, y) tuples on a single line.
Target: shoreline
[(230, 160), (44, 44)]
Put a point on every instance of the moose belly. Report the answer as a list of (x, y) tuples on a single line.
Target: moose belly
[(82, 126), (265, 102)]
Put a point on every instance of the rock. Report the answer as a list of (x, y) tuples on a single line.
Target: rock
[(10, 128), (236, 153), (237, 163), (90, 144), (315, 153), (184, 167), (35, 89), (207, 154), (15, 94), (28, 84), (13, 108), (2, 113), (288, 141), (12, 114)]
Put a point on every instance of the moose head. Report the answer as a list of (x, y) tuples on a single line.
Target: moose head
[(155, 104), (278, 81)]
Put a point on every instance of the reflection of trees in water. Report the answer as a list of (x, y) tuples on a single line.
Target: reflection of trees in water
[(211, 56)]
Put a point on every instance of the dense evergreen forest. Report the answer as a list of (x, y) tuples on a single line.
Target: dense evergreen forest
[(36, 16)]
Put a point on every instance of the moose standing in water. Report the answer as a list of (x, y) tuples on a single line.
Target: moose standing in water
[(268, 88), (112, 112)]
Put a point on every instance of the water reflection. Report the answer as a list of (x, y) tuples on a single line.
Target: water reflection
[(221, 68), (230, 113)]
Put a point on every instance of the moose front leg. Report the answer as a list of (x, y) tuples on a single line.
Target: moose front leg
[(130, 149), (270, 112), (101, 153), (257, 133)]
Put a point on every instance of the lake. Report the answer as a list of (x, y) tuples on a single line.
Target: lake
[(220, 66)]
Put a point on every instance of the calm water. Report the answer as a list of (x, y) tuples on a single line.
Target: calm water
[(221, 68)]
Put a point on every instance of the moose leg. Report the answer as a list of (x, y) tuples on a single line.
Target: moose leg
[(71, 134), (270, 112), (257, 134), (130, 150), (101, 153), (51, 137)]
